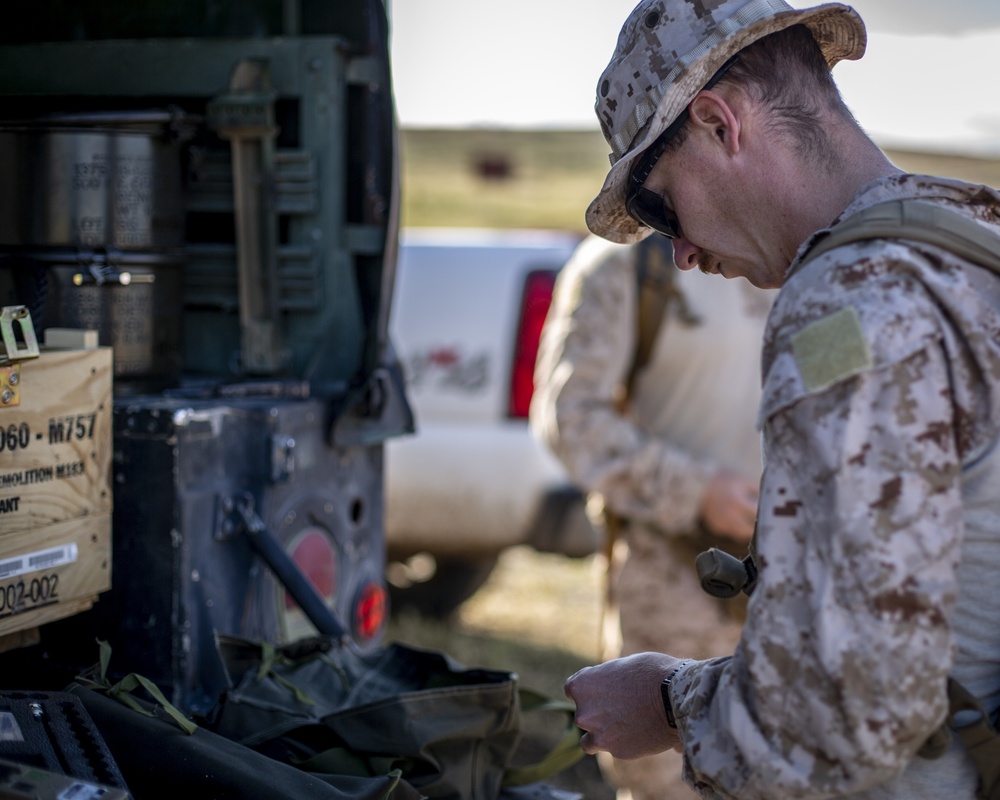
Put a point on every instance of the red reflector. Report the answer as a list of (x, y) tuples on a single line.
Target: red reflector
[(535, 304), (313, 552), (370, 612)]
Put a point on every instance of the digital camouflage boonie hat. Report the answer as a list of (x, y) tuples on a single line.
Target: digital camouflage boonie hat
[(667, 51)]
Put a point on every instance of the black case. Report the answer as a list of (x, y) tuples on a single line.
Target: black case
[(53, 731), (179, 572)]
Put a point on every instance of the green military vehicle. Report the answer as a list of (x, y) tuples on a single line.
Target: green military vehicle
[(198, 220)]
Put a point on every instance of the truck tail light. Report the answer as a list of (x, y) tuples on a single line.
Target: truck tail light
[(370, 612), (535, 302), (313, 552)]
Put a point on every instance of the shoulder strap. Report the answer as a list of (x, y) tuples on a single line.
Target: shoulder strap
[(655, 275), (916, 220)]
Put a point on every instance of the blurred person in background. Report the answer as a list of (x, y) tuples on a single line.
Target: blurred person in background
[(869, 663), (646, 389)]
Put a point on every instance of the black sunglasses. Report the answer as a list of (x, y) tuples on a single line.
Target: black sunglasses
[(649, 208)]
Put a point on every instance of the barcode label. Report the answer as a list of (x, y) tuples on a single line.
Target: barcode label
[(42, 559), (14, 566)]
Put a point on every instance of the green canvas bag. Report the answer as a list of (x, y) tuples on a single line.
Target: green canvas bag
[(324, 706)]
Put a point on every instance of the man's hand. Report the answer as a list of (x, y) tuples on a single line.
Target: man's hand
[(620, 707), (729, 507)]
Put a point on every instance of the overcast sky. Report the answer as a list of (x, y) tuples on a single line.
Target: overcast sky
[(929, 78)]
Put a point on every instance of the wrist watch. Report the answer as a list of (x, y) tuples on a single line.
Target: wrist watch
[(665, 693)]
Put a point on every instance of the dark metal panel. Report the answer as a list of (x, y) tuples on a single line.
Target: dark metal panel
[(181, 573)]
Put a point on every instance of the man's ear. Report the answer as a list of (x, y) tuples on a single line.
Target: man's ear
[(714, 116)]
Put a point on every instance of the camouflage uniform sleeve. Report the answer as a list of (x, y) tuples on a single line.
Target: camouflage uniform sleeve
[(587, 347), (839, 677)]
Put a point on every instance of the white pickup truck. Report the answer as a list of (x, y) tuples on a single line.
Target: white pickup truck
[(468, 309)]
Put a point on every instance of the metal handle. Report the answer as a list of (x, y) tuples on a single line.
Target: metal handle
[(270, 549)]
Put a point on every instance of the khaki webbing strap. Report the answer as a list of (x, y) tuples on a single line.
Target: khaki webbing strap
[(979, 737), (915, 220), (656, 288), (654, 279)]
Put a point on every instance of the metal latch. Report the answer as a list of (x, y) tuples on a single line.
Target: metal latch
[(16, 350)]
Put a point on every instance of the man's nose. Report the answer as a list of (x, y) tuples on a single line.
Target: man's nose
[(686, 255)]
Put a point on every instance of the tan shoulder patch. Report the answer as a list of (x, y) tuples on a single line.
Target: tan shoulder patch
[(831, 349)]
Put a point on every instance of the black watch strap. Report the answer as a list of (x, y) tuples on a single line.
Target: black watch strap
[(665, 694)]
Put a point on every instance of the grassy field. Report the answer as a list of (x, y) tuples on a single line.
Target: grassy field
[(545, 179), (539, 610), (499, 178)]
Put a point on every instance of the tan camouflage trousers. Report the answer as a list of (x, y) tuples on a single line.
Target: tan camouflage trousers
[(657, 604)]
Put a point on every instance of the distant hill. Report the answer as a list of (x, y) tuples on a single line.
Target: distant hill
[(545, 179)]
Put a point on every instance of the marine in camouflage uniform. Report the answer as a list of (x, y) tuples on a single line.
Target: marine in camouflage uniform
[(878, 528), (690, 418), (879, 516)]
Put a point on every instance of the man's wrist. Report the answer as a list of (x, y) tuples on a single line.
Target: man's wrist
[(665, 693)]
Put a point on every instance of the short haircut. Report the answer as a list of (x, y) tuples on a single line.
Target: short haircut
[(787, 73)]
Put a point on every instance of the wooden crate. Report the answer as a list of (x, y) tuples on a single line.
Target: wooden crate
[(55, 485)]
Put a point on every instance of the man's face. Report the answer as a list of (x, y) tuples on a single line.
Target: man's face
[(725, 228)]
